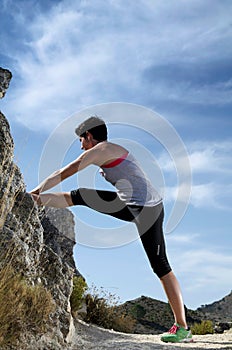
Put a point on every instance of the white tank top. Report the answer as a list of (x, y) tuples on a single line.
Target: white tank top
[(133, 186)]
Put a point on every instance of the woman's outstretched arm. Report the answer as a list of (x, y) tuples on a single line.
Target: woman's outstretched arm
[(84, 160)]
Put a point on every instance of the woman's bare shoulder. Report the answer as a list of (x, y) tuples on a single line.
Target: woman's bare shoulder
[(112, 147), (108, 151)]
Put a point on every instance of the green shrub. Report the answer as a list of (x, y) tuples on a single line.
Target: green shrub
[(22, 307), (205, 327), (103, 311), (137, 311), (77, 296)]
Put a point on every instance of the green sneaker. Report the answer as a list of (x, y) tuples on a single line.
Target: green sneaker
[(177, 334)]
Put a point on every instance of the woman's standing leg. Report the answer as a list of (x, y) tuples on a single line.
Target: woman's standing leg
[(174, 295), (154, 245)]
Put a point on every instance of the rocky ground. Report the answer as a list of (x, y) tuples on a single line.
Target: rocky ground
[(90, 337)]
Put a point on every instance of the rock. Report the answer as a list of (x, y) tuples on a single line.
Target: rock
[(57, 262), (42, 244), (5, 78), (221, 327)]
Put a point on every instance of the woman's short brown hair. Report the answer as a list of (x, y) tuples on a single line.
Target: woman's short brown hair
[(95, 125)]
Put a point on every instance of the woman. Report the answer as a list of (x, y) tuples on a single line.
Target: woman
[(136, 200)]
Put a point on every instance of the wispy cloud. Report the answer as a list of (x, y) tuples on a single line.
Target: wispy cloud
[(74, 54), (211, 169), (207, 195), (205, 270), (211, 157), (214, 266), (187, 238), (204, 157)]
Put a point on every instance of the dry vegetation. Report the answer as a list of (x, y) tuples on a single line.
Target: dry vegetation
[(101, 308), (22, 307)]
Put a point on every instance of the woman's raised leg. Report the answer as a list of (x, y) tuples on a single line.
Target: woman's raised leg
[(56, 200)]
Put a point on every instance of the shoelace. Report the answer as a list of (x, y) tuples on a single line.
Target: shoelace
[(174, 329)]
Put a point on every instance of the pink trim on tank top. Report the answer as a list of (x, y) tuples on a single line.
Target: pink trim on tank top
[(116, 161)]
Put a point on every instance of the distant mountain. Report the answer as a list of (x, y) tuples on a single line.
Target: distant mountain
[(219, 311), (154, 316)]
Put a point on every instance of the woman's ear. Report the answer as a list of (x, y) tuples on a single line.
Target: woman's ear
[(89, 136)]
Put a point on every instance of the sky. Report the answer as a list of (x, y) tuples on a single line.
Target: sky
[(160, 73)]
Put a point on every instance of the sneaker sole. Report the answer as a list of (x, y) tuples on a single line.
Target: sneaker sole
[(180, 341), (187, 340)]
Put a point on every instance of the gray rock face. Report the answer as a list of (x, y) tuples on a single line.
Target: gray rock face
[(56, 264), (41, 240), (5, 78)]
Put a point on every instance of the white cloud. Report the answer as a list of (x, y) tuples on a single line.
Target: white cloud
[(204, 270), (204, 157), (211, 170), (207, 195), (182, 191), (211, 195), (209, 260), (208, 268), (78, 54), (212, 157), (211, 166), (204, 195), (183, 238)]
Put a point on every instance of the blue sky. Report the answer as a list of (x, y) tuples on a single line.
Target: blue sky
[(171, 57)]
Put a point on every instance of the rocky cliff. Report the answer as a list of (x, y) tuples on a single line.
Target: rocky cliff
[(37, 243), (5, 78)]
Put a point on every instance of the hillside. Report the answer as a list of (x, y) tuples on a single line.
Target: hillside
[(220, 311), (154, 316)]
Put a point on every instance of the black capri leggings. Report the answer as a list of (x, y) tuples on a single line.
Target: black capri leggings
[(149, 222)]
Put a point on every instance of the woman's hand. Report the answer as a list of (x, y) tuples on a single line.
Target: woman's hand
[(36, 198), (35, 192)]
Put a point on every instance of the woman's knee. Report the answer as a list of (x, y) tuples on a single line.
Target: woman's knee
[(160, 265)]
